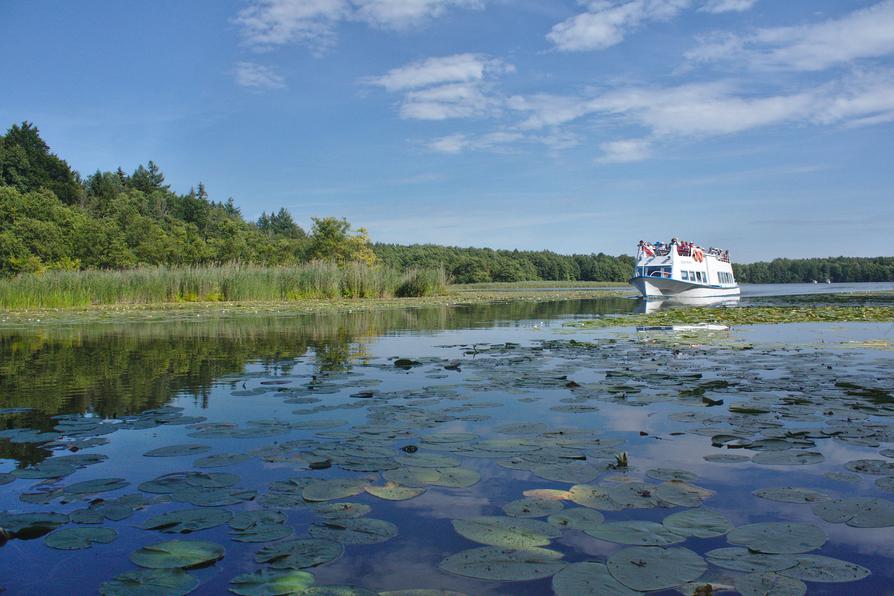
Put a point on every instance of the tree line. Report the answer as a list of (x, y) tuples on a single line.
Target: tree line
[(51, 218)]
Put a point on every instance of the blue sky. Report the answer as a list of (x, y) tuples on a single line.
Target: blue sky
[(761, 125)]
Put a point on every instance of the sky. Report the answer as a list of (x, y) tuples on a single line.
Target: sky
[(762, 126)]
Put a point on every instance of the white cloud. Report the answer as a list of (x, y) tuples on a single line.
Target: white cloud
[(257, 76), (625, 151), (502, 141), (268, 23), (718, 6), (862, 34), (607, 23), (454, 86)]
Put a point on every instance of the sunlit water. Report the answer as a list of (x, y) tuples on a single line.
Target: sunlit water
[(325, 390)]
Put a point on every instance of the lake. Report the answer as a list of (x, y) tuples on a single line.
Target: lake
[(483, 449)]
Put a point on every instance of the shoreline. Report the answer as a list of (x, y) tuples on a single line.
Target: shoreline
[(123, 313)]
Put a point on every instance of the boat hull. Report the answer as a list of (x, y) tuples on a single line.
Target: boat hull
[(659, 287)]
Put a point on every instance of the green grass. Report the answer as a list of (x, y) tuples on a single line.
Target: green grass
[(748, 315), (224, 283), (540, 285)]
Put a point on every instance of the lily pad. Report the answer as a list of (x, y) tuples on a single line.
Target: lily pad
[(635, 532), (186, 521), (682, 494), (577, 518), (342, 510), (301, 553), (78, 538), (245, 520), (221, 459), (778, 537), (791, 457), (271, 583), (873, 467), (100, 485), (394, 492), (671, 474), (859, 512), (698, 523), (764, 584), (647, 568), (150, 582), (588, 578), (791, 495), (742, 559), (818, 568), (501, 564), (506, 532), (412, 477), (330, 490), (532, 507), (456, 478), (174, 554), (361, 530), (178, 450), (30, 525), (594, 497), (212, 497), (726, 458)]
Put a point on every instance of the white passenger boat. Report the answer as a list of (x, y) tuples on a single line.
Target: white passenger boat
[(683, 269)]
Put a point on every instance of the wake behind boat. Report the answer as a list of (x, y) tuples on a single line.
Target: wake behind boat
[(683, 269)]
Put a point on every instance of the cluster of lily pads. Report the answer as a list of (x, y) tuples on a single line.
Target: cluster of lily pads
[(780, 409)]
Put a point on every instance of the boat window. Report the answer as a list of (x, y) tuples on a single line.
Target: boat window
[(685, 275)]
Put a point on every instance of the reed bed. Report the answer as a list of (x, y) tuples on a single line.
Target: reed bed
[(223, 283)]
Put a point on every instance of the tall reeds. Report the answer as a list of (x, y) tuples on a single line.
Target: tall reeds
[(222, 283)]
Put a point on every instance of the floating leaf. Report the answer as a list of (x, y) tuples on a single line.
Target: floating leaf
[(182, 554), (588, 578), (671, 474), (354, 531), (764, 584), (150, 582), (262, 533), (859, 512), (271, 583), (301, 553), (682, 494), (456, 478), (427, 460), (791, 495), (635, 532), (742, 559), (646, 568), (873, 467), (500, 564), (548, 493), (635, 495), (330, 490), (78, 538), (506, 532), (30, 525), (413, 477), (341, 510), (532, 507), (221, 459), (577, 518), (245, 520), (185, 521), (726, 458), (572, 472), (394, 492), (334, 590), (100, 485), (698, 523), (778, 537), (594, 497), (212, 497), (817, 568), (788, 458), (178, 450)]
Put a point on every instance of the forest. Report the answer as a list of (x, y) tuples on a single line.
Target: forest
[(54, 219)]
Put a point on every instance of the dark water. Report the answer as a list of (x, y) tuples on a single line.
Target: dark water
[(296, 400)]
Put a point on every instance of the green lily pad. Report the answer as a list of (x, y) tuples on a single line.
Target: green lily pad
[(442, 438), (335, 590), (78, 538), (262, 533), (726, 458), (885, 483), (742, 559), (426, 460), (859, 512), (778, 537), (501, 564), (271, 583), (342, 510), (635, 532), (577, 518), (182, 554), (506, 532), (330, 490), (361, 530), (150, 582), (682, 494), (572, 472), (30, 525), (647, 568), (873, 467), (178, 450), (245, 520), (588, 578), (791, 495), (301, 553), (185, 521), (791, 457), (634, 495), (100, 485), (532, 507), (698, 523), (671, 474), (212, 497), (221, 459), (594, 497), (818, 568), (763, 584), (456, 478), (211, 479), (394, 492), (412, 477)]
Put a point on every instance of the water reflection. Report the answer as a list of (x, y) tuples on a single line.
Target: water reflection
[(650, 306)]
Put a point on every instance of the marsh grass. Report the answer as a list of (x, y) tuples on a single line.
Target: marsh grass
[(223, 283)]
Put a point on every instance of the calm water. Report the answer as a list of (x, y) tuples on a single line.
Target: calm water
[(491, 401)]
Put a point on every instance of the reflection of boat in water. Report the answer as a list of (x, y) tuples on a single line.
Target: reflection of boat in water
[(683, 269), (650, 306)]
